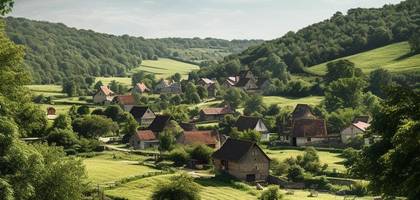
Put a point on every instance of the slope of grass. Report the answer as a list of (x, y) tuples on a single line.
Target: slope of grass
[(123, 80), (392, 57), (291, 102), (165, 67)]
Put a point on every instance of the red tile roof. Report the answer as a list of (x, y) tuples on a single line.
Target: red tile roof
[(199, 137), (106, 90), (309, 128), (126, 99), (142, 87), (361, 125), (145, 135)]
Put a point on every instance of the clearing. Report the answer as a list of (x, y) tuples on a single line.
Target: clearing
[(291, 102), (393, 57), (164, 67)]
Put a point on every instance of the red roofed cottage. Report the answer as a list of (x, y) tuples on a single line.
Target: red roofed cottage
[(144, 139)]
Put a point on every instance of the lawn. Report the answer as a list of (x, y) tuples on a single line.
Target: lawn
[(105, 168), (284, 101), (332, 159), (392, 57), (165, 67)]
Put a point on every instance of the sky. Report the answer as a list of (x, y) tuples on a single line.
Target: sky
[(226, 19)]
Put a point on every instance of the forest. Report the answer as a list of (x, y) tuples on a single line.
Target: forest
[(359, 30), (55, 51)]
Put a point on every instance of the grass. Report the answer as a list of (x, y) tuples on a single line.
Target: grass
[(105, 168), (391, 57), (123, 80), (164, 67), (291, 102), (332, 159), (47, 90)]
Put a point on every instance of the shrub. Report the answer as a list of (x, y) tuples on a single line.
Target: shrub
[(179, 156), (279, 168), (271, 193), (295, 173), (180, 187), (359, 188), (201, 153), (62, 137)]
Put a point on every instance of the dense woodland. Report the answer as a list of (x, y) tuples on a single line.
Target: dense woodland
[(55, 51), (342, 35)]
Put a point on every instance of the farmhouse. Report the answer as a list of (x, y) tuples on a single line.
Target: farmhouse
[(125, 101), (302, 111), (244, 160), (205, 82), (160, 123), (213, 114), (308, 131), (229, 82), (251, 123), (186, 126), (103, 96), (353, 130), (140, 88), (209, 138), (143, 115), (168, 87), (144, 139)]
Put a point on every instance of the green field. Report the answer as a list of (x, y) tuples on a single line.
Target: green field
[(332, 159), (392, 57), (123, 80), (164, 67), (47, 90), (106, 168), (291, 102)]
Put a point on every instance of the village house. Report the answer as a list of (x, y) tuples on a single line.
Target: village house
[(51, 113), (160, 123), (126, 102), (246, 74), (205, 82), (212, 90), (209, 138), (143, 115), (162, 84), (229, 82), (215, 114), (144, 139), (251, 123), (353, 130), (168, 87), (247, 84), (244, 160), (103, 96), (140, 88)]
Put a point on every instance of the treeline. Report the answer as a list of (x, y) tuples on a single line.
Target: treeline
[(341, 35), (55, 52)]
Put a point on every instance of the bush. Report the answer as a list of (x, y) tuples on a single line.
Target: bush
[(89, 145), (180, 187), (359, 188), (179, 156), (295, 173), (62, 137), (279, 168), (201, 153), (271, 193)]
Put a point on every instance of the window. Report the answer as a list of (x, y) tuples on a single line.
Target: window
[(308, 139), (254, 152)]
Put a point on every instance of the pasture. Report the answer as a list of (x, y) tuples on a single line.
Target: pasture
[(164, 67), (393, 57), (292, 102)]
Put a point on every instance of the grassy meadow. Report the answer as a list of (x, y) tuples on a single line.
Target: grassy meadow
[(292, 102), (392, 57), (164, 67)]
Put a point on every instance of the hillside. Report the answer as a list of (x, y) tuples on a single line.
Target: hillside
[(358, 30), (392, 57), (55, 51)]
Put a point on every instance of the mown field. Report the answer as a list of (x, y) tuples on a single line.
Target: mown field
[(392, 57), (164, 67), (291, 102)]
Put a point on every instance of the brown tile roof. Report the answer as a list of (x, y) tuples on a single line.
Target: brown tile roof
[(126, 99), (217, 111), (106, 90), (309, 128), (145, 135), (142, 87), (246, 122), (234, 149), (302, 111), (199, 137)]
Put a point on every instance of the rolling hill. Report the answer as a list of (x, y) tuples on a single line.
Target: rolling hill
[(395, 58)]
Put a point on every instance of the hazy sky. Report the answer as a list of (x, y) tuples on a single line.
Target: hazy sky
[(228, 19)]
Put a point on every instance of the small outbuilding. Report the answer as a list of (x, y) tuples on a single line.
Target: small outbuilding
[(353, 130), (144, 139), (104, 95), (143, 115)]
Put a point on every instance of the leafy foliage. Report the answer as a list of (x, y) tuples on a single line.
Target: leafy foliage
[(180, 187)]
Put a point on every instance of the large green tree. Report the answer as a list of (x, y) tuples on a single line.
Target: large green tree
[(378, 80), (344, 93)]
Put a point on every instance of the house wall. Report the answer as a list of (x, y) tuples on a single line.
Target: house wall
[(348, 133), (260, 127), (137, 144), (302, 141), (99, 97), (204, 117), (254, 162)]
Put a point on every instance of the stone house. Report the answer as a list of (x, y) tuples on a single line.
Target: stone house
[(144, 139), (143, 115), (244, 160), (209, 138), (103, 96), (126, 102), (214, 114), (140, 88), (353, 130)]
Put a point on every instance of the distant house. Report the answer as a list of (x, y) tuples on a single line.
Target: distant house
[(160, 123), (205, 82), (352, 130), (212, 90), (168, 87), (162, 84), (214, 114), (246, 74), (308, 131), (302, 111), (51, 113), (144, 139), (143, 115), (251, 123), (103, 96), (125, 101), (140, 88), (209, 138), (247, 84), (244, 160), (228, 83)]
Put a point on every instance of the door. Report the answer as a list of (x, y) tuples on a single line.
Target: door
[(250, 178), (294, 141)]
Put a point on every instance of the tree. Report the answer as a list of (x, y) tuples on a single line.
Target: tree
[(114, 112), (114, 86), (179, 187), (179, 156), (344, 93), (98, 85), (295, 173), (6, 6), (138, 77), (176, 77), (202, 92), (379, 79), (94, 126), (62, 137), (251, 135), (392, 163), (233, 97), (129, 128), (83, 110), (166, 141), (271, 193), (62, 122), (254, 104), (32, 120), (191, 94), (341, 69), (201, 153)]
